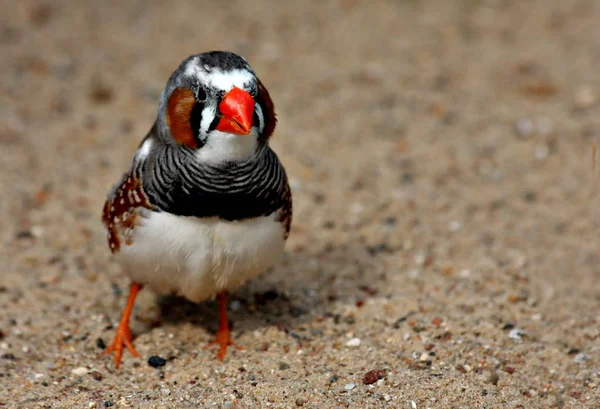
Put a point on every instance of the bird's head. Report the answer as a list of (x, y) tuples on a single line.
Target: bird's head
[(214, 104)]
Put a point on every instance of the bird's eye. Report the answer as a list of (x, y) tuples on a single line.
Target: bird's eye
[(201, 95)]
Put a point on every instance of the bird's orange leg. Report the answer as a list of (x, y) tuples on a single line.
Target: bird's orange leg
[(123, 337), (223, 338)]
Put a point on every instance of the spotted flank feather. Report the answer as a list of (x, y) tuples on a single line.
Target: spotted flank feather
[(123, 209)]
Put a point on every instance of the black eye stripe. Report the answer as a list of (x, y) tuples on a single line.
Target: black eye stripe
[(196, 118), (214, 123), (201, 95)]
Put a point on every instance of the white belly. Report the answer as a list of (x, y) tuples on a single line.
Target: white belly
[(197, 258)]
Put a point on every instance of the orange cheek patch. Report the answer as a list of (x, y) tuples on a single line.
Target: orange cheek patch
[(179, 113)]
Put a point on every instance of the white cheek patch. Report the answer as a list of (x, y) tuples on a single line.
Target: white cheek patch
[(208, 115), (261, 118)]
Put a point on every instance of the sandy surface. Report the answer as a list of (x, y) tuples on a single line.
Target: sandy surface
[(446, 215)]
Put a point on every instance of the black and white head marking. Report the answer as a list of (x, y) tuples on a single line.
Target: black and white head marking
[(210, 76)]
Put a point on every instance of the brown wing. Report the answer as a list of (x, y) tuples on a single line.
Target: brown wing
[(122, 210), (285, 216)]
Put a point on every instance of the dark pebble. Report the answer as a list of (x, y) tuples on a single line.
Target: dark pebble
[(283, 366), (390, 221), (333, 378), (530, 196), (408, 178), (270, 295), (300, 401), (9, 357), (100, 343), (101, 94), (400, 320), (574, 351), (156, 361), (24, 234), (379, 248), (96, 375), (298, 311), (237, 394), (251, 377), (373, 376), (108, 403), (316, 332), (329, 224), (116, 290), (295, 336), (508, 326)]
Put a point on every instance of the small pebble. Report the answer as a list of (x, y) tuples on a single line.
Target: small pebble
[(156, 361), (235, 305), (333, 378), (413, 405), (96, 375), (100, 343), (354, 342), (454, 226), (349, 386), (387, 398), (380, 382), (92, 405), (79, 371), (580, 358), (283, 366), (373, 376), (524, 127), (300, 401), (516, 333), (466, 273)]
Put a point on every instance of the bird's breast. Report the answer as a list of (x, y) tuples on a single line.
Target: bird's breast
[(197, 257)]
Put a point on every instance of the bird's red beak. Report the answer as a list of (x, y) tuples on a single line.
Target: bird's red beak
[(237, 108)]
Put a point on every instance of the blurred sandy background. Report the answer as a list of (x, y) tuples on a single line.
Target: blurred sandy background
[(446, 215)]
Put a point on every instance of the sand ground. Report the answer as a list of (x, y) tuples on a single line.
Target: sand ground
[(446, 209)]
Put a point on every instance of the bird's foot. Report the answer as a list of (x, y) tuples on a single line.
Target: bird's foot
[(123, 338), (223, 339)]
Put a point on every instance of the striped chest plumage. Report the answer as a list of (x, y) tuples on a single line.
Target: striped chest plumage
[(195, 230)]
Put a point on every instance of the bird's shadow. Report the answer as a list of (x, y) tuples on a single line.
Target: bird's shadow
[(302, 288)]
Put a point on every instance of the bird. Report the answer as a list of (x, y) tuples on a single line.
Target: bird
[(205, 205)]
